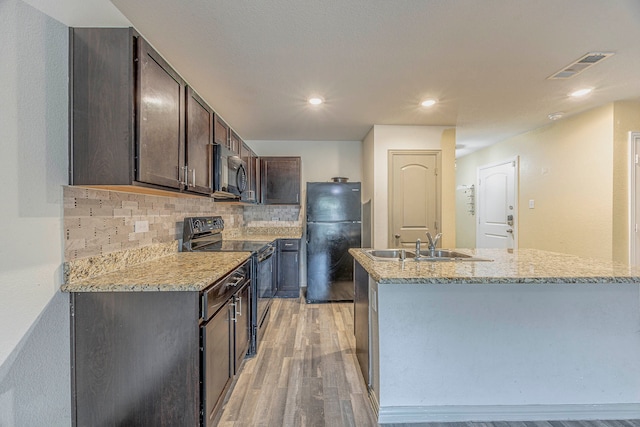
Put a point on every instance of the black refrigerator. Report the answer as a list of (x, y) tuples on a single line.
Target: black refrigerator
[(333, 226)]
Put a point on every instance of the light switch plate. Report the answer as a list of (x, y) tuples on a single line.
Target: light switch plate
[(141, 226), (532, 204)]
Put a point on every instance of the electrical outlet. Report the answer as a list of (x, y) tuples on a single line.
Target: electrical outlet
[(141, 226), (532, 204)]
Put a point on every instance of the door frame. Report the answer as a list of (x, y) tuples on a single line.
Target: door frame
[(390, 154), (634, 136), (515, 160)]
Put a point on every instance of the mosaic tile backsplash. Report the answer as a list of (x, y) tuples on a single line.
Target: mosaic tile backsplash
[(98, 222), (272, 216)]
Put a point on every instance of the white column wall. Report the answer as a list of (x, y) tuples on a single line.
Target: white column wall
[(34, 314), (472, 352)]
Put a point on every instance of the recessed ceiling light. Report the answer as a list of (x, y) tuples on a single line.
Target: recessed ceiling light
[(428, 102), (581, 92), (315, 101), (556, 116)]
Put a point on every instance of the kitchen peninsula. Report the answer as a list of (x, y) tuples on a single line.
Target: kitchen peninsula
[(530, 335)]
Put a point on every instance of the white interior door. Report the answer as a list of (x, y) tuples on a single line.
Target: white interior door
[(497, 205), (634, 198), (414, 196)]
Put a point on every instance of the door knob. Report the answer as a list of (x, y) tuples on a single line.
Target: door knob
[(510, 230), (397, 236)]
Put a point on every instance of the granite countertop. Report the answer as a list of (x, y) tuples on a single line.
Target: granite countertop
[(507, 266), (183, 271)]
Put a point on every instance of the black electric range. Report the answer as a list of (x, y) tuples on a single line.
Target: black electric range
[(204, 234)]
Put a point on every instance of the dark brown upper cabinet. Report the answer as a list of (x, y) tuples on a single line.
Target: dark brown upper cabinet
[(102, 106), (127, 112), (235, 143), (280, 180), (199, 144), (221, 132), (250, 158), (134, 121), (160, 121)]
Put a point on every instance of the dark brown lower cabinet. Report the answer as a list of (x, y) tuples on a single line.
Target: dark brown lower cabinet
[(288, 268), (144, 358), (135, 358)]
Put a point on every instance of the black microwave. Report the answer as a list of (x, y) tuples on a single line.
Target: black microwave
[(230, 173)]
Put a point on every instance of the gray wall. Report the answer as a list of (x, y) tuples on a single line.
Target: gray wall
[(34, 336)]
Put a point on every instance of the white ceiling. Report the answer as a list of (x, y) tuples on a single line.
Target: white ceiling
[(487, 61)]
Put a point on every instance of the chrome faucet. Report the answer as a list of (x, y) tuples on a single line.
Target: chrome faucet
[(433, 242), (418, 255)]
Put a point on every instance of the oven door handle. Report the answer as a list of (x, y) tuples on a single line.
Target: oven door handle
[(268, 253), (235, 282)]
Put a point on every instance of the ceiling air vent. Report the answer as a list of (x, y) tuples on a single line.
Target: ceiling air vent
[(575, 68)]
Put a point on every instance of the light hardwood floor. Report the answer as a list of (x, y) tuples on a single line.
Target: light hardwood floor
[(306, 374)]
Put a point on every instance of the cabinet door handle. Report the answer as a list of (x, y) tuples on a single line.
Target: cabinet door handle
[(193, 182), (234, 318), (239, 310)]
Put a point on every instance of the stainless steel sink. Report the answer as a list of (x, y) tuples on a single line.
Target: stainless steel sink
[(443, 253), (425, 255), (387, 254)]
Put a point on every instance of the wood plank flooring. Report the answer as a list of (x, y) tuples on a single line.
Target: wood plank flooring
[(306, 375)]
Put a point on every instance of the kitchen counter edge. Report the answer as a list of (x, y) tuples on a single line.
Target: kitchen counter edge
[(524, 266), (182, 271)]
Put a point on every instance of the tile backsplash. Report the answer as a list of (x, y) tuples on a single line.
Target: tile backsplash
[(277, 215), (98, 222)]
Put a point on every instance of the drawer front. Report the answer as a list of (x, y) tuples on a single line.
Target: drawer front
[(289, 244)]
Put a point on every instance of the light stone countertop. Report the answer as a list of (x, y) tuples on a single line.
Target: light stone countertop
[(516, 266), (183, 271)]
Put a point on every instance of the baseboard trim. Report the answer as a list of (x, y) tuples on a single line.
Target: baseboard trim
[(480, 413)]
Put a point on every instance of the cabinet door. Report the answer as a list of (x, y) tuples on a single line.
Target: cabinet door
[(160, 142), (198, 144), (288, 277), (234, 143), (288, 274), (221, 132), (217, 362), (242, 323), (280, 180), (247, 156), (361, 318), (102, 104), (254, 187)]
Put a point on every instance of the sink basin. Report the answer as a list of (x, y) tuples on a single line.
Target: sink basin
[(425, 255), (387, 254), (446, 255), (443, 253)]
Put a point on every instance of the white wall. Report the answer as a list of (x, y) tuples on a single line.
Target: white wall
[(34, 314), (391, 137), (567, 169), (321, 160)]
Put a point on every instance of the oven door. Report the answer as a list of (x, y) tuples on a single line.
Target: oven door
[(264, 283)]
